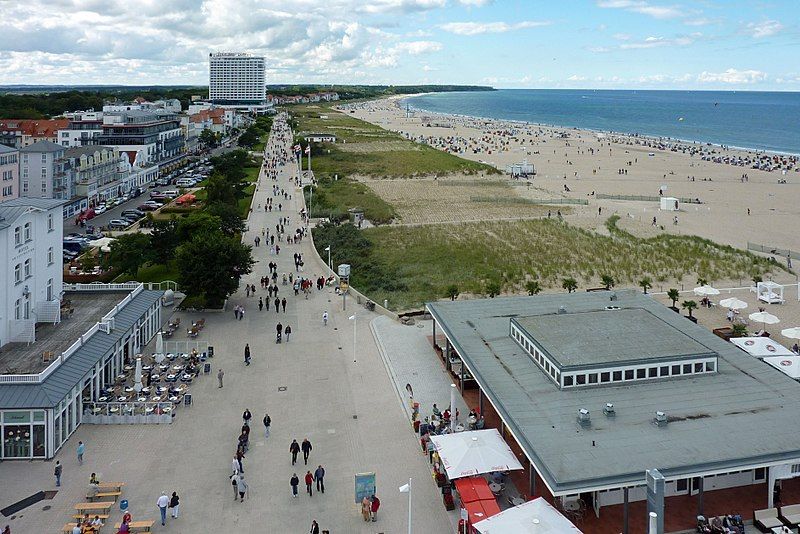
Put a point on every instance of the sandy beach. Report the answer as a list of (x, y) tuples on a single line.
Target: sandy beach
[(591, 164)]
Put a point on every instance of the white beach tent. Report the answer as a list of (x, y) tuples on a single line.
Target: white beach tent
[(533, 517), (770, 292), (669, 204), (788, 365), (761, 347), (466, 454)]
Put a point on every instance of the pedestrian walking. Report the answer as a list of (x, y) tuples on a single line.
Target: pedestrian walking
[(267, 423), (162, 504), (287, 330), (283, 304), (57, 473), (294, 448), (314, 527), (234, 477), (293, 482), (366, 508), (319, 476), (220, 374), (324, 318), (241, 486), (277, 305), (306, 447), (278, 332), (309, 479), (260, 303), (241, 312), (236, 465), (81, 449), (174, 504), (376, 503), (246, 416), (247, 354)]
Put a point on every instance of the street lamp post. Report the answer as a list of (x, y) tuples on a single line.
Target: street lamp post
[(353, 318), (328, 248), (406, 488)]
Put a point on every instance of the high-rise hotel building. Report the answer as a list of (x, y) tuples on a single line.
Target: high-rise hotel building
[(236, 78)]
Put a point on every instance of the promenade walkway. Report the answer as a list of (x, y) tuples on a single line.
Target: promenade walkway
[(310, 387)]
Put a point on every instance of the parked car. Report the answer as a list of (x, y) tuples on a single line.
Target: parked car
[(150, 205), (172, 193), (185, 182), (101, 208), (74, 246), (118, 224), (134, 212)]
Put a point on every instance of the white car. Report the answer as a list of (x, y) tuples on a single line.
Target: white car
[(99, 209)]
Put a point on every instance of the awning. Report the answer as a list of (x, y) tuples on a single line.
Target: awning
[(465, 454), (533, 517), (481, 510), (788, 365), (761, 347), (473, 489)]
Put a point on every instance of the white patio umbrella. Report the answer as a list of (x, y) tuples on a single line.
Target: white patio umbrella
[(138, 376), (705, 291), (764, 318), (466, 454), (733, 303), (159, 342), (791, 333)]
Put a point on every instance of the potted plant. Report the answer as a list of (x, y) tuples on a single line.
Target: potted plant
[(690, 305), (673, 295)]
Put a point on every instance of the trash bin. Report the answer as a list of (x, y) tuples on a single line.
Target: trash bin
[(210, 351), (187, 399), (123, 504), (206, 368)]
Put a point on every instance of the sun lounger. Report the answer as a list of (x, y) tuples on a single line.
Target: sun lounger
[(767, 519), (790, 515)]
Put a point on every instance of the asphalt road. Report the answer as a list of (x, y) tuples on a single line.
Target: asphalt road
[(114, 213)]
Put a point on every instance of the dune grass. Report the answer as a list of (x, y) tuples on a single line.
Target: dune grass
[(332, 198), (428, 259), (366, 149)]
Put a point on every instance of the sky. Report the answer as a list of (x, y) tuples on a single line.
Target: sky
[(614, 44)]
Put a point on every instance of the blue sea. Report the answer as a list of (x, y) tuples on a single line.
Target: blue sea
[(753, 120)]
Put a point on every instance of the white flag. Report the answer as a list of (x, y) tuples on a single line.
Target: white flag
[(352, 317), (405, 488)]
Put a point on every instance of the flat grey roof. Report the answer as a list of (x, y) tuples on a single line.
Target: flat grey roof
[(89, 308), (744, 415), (608, 337), (56, 386), (42, 146)]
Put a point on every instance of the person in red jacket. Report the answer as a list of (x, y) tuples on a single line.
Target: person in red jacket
[(376, 503), (309, 482)]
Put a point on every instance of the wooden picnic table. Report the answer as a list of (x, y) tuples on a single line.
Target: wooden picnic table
[(138, 526), (105, 506), (116, 486)]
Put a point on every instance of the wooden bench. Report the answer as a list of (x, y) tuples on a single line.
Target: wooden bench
[(111, 486), (94, 507), (102, 517), (138, 526), (69, 526), (107, 495)]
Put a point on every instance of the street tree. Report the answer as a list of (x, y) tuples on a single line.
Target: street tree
[(129, 252), (570, 284)]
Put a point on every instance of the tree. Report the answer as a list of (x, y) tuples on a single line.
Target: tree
[(532, 287), (197, 224), (129, 252), (673, 295), (231, 222), (689, 305), (493, 288), (452, 292), (249, 137), (212, 265), (608, 281), (570, 284), (208, 138), (220, 190), (757, 278), (232, 164), (645, 283), (163, 240), (88, 262), (702, 281)]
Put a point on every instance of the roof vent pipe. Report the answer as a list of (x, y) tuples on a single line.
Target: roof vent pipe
[(609, 410), (562, 309), (661, 418), (583, 417)]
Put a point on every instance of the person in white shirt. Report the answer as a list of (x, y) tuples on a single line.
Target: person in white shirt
[(162, 504)]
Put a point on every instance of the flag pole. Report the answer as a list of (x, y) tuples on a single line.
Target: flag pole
[(409, 506)]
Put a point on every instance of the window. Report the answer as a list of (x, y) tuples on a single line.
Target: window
[(18, 273), (698, 368), (567, 380), (17, 235), (682, 485), (27, 232), (652, 372), (44, 187), (44, 158), (676, 370), (44, 173), (27, 309), (605, 377), (28, 268), (629, 374), (641, 373), (710, 367), (18, 309), (665, 370), (25, 187), (617, 376), (50, 226), (49, 290), (593, 378), (50, 256), (687, 368), (580, 379), (761, 473)]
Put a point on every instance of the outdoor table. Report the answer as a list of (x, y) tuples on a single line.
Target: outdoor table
[(162, 389), (517, 501), (142, 399), (97, 409), (171, 357), (148, 409), (114, 409), (156, 398), (164, 367), (166, 409), (96, 507), (155, 377), (147, 368), (174, 398), (177, 367), (122, 398), (146, 390), (459, 427), (128, 368), (495, 488), (102, 399), (128, 389)]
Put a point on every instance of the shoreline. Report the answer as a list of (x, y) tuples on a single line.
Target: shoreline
[(648, 136)]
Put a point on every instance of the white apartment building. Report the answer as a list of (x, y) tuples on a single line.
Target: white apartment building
[(83, 129), (44, 172), (236, 78), (31, 273), (9, 173), (97, 173)]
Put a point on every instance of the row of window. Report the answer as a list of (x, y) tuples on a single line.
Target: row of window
[(26, 230), (640, 373), (7, 191), (542, 360), (8, 159), (8, 175)]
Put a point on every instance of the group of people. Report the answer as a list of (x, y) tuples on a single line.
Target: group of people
[(729, 524)]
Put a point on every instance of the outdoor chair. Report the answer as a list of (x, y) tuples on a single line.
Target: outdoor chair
[(767, 519), (790, 515)]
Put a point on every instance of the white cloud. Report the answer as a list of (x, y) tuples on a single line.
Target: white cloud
[(766, 28), (475, 3), (477, 28), (576, 78), (654, 42), (418, 47), (428, 68), (733, 76), (644, 8)]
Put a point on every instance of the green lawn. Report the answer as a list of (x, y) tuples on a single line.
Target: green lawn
[(366, 149), (425, 260), (332, 199), (152, 273), (244, 202)]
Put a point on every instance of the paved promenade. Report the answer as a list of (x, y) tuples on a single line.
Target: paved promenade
[(310, 387)]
